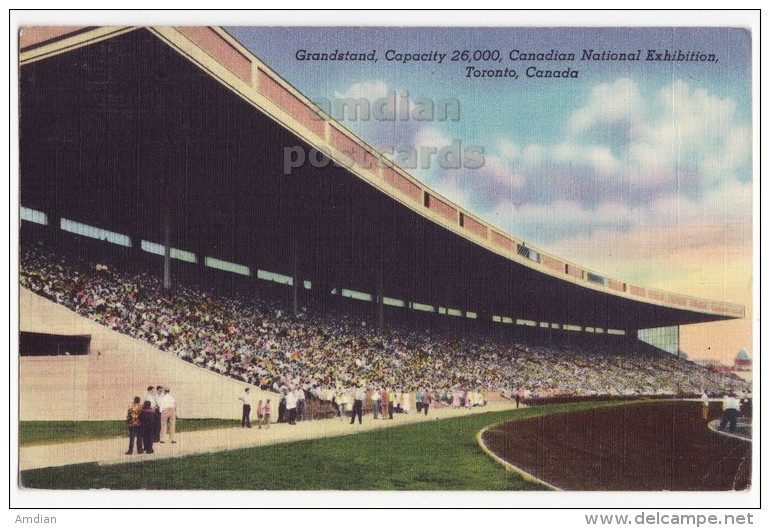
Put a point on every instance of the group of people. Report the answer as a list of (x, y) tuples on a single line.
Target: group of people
[(263, 411), (325, 352), (292, 407), (152, 420), (385, 402)]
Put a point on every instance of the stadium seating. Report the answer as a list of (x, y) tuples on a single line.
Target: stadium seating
[(257, 341)]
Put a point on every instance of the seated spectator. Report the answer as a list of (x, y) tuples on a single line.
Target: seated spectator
[(255, 341)]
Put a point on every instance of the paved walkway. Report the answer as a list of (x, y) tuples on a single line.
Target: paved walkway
[(112, 451)]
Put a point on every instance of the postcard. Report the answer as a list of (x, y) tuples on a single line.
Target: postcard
[(430, 257)]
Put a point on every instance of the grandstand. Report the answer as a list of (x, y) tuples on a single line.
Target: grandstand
[(155, 202)]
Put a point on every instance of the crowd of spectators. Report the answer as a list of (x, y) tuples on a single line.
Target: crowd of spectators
[(329, 353)]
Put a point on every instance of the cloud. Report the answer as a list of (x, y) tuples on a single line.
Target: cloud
[(609, 103), (679, 139), (675, 180), (430, 136), (707, 261), (597, 157), (508, 149), (474, 188), (678, 156), (549, 223), (425, 140), (370, 90), (722, 216)]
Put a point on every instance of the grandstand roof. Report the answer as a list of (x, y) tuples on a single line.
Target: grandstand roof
[(121, 125)]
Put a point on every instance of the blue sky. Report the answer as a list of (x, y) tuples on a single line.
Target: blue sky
[(641, 170)]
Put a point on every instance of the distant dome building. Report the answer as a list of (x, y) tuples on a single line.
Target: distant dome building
[(742, 360)]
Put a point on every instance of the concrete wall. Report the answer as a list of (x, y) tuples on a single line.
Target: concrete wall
[(101, 385)]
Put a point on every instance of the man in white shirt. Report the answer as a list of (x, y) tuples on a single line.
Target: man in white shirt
[(291, 407), (158, 394), (732, 409), (704, 398), (168, 415), (358, 404), (246, 417), (150, 397)]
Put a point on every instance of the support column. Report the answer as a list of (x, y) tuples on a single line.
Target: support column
[(379, 295), (135, 252), (295, 279), (167, 251), (321, 289), (255, 286), (52, 233)]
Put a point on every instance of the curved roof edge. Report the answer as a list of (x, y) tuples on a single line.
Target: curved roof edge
[(228, 61)]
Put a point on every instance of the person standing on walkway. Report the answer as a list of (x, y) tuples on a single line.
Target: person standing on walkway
[(376, 402), (300, 393), (732, 409), (148, 426), (519, 396), (158, 394), (282, 407), (426, 401), (704, 398), (291, 407), (358, 405), (133, 418), (418, 399), (397, 405), (246, 415), (456, 395), (339, 404), (151, 397), (406, 401), (266, 414), (259, 414), (384, 396), (168, 416)]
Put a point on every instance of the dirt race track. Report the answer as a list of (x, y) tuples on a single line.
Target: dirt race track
[(643, 447)]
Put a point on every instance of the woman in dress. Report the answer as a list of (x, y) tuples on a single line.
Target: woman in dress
[(406, 401), (456, 398)]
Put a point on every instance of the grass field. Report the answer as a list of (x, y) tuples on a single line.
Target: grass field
[(38, 433), (436, 455)]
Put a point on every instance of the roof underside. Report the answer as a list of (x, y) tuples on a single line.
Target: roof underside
[(118, 133)]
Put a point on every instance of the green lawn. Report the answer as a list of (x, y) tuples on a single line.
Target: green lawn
[(38, 433), (436, 455)]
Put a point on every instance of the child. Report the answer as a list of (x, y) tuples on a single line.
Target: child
[(266, 414), (259, 414)]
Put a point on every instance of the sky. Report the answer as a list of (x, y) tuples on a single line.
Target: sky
[(639, 169)]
